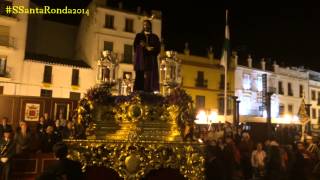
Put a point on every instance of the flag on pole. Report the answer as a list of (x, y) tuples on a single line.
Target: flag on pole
[(224, 63), (226, 44)]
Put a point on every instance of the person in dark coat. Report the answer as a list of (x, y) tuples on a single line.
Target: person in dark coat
[(23, 139), (146, 48), (48, 140), (69, 132), (4, 126), (58, 130), (47, 120), (7, 150), (41, 127), (64, 168), (301, 169)]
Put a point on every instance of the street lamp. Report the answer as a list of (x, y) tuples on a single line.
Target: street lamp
[(206, 118)]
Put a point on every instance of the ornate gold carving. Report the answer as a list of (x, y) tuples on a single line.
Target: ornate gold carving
[(138, 133), (134, 160)]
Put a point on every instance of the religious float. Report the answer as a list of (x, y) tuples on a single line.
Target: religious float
[(140, 132)]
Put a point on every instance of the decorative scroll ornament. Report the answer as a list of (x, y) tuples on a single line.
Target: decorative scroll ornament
[(135, 160)]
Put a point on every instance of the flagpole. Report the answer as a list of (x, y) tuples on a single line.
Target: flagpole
[(225, 78)]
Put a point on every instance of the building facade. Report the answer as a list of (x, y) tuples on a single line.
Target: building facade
[(314, 97), (203, 79), (288, 85), (113, 30), (13, 33)]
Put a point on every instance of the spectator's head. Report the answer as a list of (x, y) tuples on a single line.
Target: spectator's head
[(4, 121), (7, 134), (70, 125), (267, 143), (245, 136), (61, 116), (23, 126), (274, 143), (60, 150), (41, 120), (46, 116), (259, 146), (49, 130), (57, 123)]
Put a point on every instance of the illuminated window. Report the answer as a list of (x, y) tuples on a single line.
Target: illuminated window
[(245, 105), (246, 81), (259, 83)]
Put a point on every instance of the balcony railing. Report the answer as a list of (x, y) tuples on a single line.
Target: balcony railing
[(201, 83), (3, 5), (7, 41), (4, 74)]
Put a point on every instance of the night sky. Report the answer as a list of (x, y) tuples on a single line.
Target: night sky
[(287, 33)]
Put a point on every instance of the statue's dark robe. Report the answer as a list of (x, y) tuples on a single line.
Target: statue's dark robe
[(146, 64)]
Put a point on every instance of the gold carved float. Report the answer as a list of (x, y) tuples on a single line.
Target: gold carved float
[(138, 133)]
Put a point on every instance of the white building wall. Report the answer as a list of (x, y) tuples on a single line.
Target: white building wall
[(61, 80), (92, 35), (15, 52), (314, 85), (249, 97)]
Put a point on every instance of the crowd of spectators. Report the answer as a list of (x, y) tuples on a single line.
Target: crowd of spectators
[(231, 154), (39, 138)]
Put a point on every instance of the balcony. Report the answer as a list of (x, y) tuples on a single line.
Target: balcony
[(201, 83), (280, 91), (4, 75)]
